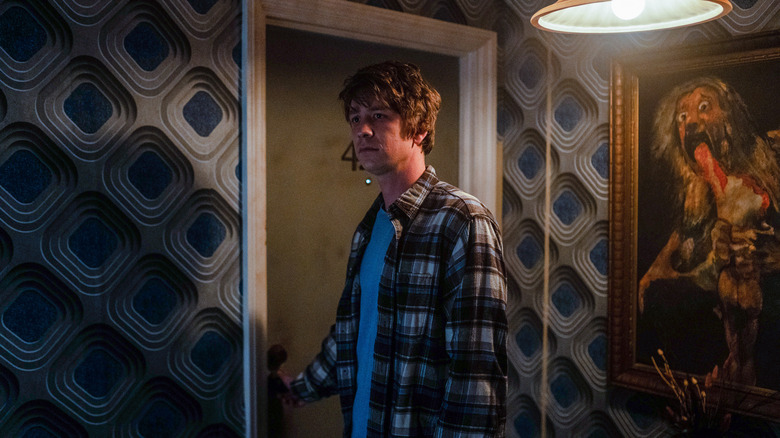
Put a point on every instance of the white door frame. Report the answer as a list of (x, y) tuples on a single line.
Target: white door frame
[(479, 173)]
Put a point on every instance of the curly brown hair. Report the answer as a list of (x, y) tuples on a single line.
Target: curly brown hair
[(401, 87)]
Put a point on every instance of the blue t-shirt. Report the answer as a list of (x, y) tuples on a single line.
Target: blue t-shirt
[(370, 273)]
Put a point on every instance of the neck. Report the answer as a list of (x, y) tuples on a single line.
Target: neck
[(394, 185)]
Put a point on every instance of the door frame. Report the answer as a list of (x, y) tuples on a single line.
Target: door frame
[(480, 168)]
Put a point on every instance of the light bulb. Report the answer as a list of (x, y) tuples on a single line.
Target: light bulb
[(627, 9)]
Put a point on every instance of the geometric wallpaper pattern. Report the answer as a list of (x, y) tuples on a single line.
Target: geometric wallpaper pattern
[(120, 294), (580, 404), (120, 306)]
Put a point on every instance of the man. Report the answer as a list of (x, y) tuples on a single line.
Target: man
[(419, 344)]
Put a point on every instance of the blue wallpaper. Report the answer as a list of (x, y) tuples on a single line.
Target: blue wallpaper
[(119, 224), (120, 228)]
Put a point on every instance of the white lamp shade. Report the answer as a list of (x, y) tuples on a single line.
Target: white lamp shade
[(596, 16)]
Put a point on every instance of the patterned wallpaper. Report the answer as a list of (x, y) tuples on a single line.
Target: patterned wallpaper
[(119, 214), (119, 218), (579, 404)]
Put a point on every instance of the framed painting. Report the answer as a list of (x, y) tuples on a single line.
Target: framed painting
[(695, 219)]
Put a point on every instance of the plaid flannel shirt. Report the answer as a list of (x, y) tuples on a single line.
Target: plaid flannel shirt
[(440, 359)]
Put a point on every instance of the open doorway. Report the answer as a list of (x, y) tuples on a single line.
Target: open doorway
[(315, 200), (478, 153)]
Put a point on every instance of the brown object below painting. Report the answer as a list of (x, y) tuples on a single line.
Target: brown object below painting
[(695, 218)]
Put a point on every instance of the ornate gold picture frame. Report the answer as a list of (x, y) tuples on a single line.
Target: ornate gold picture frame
[(695, 219)]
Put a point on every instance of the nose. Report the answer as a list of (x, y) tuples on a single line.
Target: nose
[(691, 129), (363, 129)]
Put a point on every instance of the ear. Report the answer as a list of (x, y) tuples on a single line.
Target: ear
[(419, 137)]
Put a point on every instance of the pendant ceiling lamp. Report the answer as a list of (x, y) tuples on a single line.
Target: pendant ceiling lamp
[(613, 16)]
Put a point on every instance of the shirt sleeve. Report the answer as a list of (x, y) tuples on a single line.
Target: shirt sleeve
[(476, 331), (318, 380)]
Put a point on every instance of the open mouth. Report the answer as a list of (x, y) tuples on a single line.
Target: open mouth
[(692, 141)]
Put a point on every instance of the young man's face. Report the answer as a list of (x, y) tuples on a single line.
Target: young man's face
[(379, 145)]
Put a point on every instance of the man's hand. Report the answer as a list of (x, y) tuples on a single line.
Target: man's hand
[(288, 397)]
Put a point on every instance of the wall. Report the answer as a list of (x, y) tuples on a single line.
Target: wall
[(119, 224), (580, 402), (315, 200), (119, 254)]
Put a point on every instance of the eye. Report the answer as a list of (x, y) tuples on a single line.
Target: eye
[(378, 115), (681, 117), (354, 119), (704, 106)]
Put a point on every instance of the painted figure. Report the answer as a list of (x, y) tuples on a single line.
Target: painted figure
[(727, 182)]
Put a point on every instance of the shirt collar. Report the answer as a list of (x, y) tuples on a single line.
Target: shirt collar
[(405, 208)]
